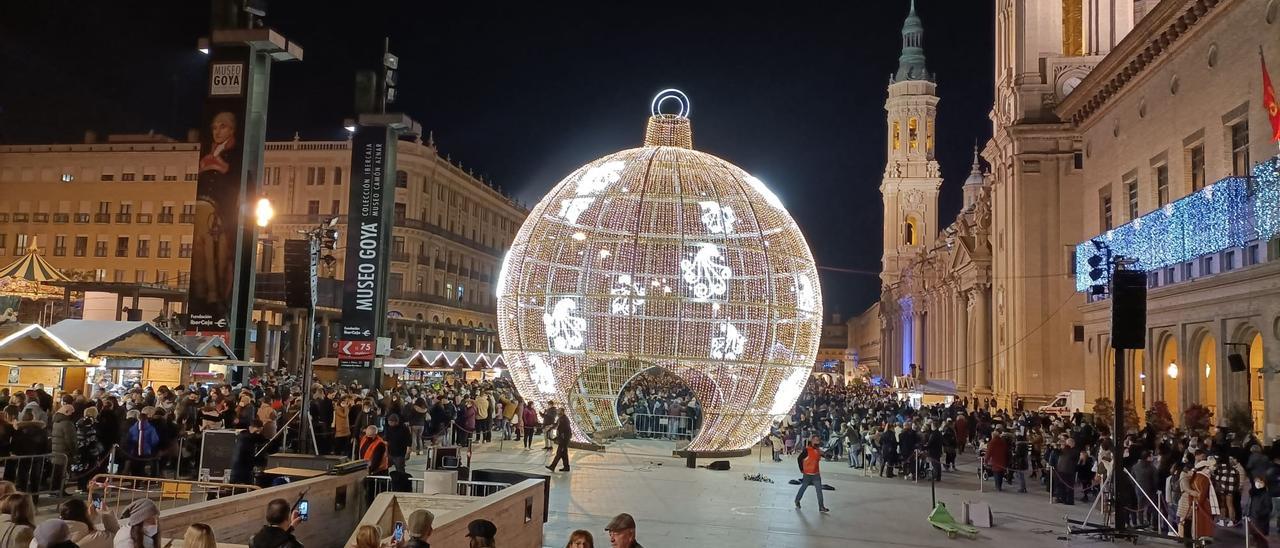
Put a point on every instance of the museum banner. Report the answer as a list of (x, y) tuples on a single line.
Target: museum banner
[(220, 189), (364, 288)]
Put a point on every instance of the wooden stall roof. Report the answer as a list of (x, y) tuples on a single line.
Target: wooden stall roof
[(23, 345), (93, 338)]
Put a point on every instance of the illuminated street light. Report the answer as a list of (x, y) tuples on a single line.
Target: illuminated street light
[(264, 212)]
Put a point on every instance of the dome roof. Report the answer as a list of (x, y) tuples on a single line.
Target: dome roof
[(975, 171), (662, 256)]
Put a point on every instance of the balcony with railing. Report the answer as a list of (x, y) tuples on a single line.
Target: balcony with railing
[(124, 217), (102, 218), (417, 224), (400, 256), (1232, 221), (431, 298)]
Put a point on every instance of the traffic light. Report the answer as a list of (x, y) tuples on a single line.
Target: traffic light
[(390, 76), (1098, 266)]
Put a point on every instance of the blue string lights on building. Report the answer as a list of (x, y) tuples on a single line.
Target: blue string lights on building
[(1230, 213)]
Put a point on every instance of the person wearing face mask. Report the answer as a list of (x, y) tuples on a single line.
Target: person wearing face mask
[(1259, 511), (144, 526)]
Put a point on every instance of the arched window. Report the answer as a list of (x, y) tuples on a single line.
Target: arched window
[(910, 232), (928, 135), (913, 134), (897, 135), (402, 179)]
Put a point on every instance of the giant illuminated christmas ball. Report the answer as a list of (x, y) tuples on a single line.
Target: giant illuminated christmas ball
[(662, 256)]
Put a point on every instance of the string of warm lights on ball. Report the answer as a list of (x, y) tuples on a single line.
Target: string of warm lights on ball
[(662, 256), (1229, 213)]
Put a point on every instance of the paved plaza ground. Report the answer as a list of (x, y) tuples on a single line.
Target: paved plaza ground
[(677, 506)]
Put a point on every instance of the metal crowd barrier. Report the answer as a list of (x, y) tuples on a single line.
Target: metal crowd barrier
[(118, 491), (36, 474), (466, 488), (663, 426)]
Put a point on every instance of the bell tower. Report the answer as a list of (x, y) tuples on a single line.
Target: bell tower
[(911, 176)]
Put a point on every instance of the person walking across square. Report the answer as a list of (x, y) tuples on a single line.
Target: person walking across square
[(810, 455)]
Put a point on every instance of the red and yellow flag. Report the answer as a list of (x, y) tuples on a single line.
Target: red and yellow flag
[(1269, 99)]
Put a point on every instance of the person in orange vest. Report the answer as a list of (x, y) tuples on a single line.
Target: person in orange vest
[(808, 460), (374, 450)]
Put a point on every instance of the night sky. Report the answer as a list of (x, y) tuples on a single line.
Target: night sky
[(527, 92)]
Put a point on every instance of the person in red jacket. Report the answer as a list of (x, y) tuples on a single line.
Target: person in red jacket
[(809, 458), (962, 432), (998, 457)]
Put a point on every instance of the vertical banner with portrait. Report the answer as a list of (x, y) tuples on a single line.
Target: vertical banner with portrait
[(364, 282), (219, 192)]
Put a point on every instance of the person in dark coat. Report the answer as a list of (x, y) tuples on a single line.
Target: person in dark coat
[(908, 442), (439, 420), (888, 451), (1260, 506), (933, 448), (563, 435), (31, 438), (88, 448), (1064, 473), (1144, 474), (245, 456), (399, 438), (109, 423)]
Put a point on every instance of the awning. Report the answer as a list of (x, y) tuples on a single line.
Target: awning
[(441, 360), (29, 345)]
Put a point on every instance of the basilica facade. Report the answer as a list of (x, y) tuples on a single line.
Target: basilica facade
[(1133, 126)]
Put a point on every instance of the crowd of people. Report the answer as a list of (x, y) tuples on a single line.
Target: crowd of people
[(659, 405), (1174, 481), (146, 431)]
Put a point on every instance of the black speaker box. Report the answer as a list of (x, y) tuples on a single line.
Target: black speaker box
[(1128, 309), (508, 476), (297, 274), (1237, 363)]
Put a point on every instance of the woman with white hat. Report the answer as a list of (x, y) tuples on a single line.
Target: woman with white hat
[(144, 526)]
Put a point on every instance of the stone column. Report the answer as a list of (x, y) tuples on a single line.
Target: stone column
[(917, 338), (1270, 374), (982, 336), (962, 359)]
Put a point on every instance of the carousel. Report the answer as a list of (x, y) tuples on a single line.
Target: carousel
[(25, 280)]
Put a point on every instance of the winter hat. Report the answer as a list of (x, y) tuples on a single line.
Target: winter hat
[(140, 511), (51, 532)]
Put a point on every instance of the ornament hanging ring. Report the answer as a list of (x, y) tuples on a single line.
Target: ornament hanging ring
[(673, 94)]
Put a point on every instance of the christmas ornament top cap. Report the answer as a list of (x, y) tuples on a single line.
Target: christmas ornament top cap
[(669, 130)]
